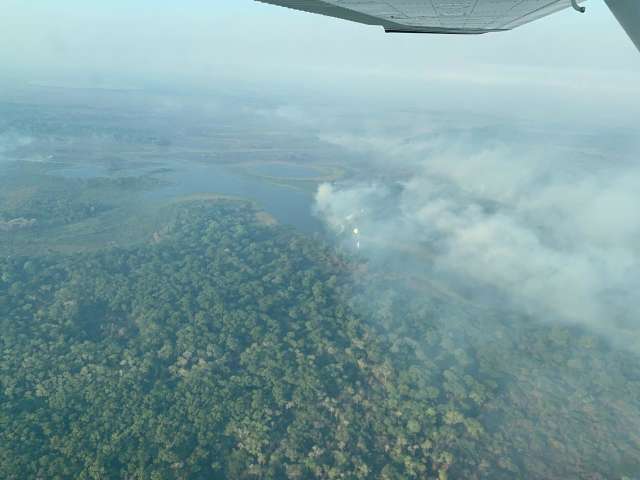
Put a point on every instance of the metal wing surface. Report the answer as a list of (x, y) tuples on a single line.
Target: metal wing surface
[(433, 16)]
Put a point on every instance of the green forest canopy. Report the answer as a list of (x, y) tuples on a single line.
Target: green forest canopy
[(230, 349)]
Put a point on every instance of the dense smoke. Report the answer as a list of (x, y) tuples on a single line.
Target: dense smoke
[(9, 141), (554, 230)]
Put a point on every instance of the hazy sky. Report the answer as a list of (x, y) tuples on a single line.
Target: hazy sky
[(580, 66)]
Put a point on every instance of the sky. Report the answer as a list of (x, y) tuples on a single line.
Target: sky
[(583, 67)]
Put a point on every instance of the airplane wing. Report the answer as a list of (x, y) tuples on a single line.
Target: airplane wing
[(456, 16), (628, 14)]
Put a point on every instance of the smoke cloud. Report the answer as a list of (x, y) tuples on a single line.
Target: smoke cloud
[(10, 140), (553, 230)]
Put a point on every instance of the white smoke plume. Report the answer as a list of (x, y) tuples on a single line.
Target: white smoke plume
[(10, 141), (555, 230)]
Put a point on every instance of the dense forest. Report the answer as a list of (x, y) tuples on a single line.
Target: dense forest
[(41, 212), (226, 347)]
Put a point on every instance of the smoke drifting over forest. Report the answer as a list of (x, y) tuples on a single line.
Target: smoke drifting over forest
[(554, 229), (11, 140)]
